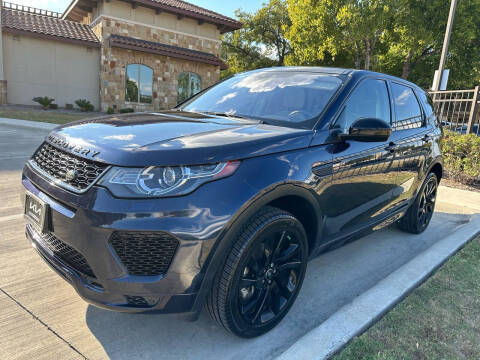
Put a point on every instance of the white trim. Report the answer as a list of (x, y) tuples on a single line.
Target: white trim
[(69, 9), (95, 22)]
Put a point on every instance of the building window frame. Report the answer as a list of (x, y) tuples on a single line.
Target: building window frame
[(137, 69), (192, 80)]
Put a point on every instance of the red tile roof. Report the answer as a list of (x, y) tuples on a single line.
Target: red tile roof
[(187, 9), (165, 50), (22, 22), (178, 7)]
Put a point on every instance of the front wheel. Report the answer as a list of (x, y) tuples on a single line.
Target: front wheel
[(262, 275), (421, 211)]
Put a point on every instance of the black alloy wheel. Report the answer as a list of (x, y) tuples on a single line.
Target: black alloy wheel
[(262, 275), (426, 205), (420, 213)]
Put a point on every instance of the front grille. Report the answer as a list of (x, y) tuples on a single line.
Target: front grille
[(144, 253), (66, 253), (56, 163), (137, 301)]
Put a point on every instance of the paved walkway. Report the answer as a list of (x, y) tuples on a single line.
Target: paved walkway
[(41, 317)]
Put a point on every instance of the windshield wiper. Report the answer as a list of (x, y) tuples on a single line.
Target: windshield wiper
[(219, 113)]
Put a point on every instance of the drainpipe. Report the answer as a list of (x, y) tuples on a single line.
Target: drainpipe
[(3, 81)]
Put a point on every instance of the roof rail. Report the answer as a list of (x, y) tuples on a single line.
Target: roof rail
[(30, 9)]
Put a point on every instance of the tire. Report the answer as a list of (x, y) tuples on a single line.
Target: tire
[(262, 275), (420, 213)]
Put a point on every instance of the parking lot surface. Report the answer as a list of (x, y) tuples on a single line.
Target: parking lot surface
[(41, 316)]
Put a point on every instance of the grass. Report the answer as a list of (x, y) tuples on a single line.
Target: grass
[(50, 116), (439, 320)]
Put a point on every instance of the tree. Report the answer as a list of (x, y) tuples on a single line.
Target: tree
[(348, 29), (414, 43), (261, 42)]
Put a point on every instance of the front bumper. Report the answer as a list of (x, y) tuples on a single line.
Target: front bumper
[(87, 221)]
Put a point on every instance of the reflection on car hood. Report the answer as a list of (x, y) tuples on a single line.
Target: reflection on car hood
[(174, 138)]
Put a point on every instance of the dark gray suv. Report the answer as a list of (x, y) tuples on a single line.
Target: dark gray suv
[(221, 201)]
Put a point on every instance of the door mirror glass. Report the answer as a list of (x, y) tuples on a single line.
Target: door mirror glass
[(368, 130)]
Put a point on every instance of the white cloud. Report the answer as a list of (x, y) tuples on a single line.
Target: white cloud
[(52, 5)]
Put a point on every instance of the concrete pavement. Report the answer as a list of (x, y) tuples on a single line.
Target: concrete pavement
[(41, 315)]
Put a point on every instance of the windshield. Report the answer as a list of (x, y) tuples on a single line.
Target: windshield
[(283, 98)]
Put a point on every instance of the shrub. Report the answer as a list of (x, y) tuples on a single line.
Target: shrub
[(69, 106), (54, 106), (461, 156), (110, 111), (84, 105), (126, 110), (45, 101)]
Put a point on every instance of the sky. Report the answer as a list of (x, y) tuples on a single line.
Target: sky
[(225, 7)]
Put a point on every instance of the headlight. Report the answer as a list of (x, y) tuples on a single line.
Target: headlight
[(158, 181)]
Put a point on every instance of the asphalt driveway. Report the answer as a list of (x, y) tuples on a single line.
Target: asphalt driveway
[(42, 317)]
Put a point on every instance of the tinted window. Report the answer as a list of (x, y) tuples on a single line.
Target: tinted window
[(284, 98), (189, 84), (427, 103), (407, 109), (368, 100), (139, 84)]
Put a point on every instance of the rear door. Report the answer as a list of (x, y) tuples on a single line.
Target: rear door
[(363, 179), (411, 139)]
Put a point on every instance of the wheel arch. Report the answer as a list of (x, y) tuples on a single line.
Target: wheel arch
[(294, 198)]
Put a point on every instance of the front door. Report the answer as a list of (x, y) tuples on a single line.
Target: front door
[(363, 179)]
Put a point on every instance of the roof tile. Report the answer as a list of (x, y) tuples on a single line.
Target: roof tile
[(16, 20), (165, 50)]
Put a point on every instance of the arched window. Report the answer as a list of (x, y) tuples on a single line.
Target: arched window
[(188, 85), (139, 84)]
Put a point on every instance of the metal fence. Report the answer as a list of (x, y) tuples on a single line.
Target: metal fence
[(30, 9), (458, 109)]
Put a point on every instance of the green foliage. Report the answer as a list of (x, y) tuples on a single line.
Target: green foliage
[(461, 156), (53, 106), (126, 110), (84, 105), (399, 37), (110, 110), (45, 101), (261, 42)]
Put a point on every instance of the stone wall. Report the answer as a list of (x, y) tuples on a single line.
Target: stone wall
[(166, 69)]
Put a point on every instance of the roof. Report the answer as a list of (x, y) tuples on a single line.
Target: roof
[(178, 7), (165, 50), (49, 27)]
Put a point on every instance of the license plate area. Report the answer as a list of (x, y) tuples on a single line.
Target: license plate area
[(36, 212)]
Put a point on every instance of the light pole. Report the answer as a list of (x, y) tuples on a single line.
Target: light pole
[(446, 42)]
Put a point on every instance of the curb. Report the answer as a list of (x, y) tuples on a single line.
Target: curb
[(356, 317), (27, 123)]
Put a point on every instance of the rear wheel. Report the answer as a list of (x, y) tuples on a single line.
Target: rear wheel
[(421, 211), (262, 275)]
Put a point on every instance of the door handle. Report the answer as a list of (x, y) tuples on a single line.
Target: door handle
[(391, 148)]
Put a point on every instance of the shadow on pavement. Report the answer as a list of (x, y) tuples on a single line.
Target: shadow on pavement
[(333, 280)]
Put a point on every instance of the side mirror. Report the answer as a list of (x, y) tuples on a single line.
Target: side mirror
[(368, 130)]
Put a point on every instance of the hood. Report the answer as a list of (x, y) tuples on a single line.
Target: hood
[(174, 138)]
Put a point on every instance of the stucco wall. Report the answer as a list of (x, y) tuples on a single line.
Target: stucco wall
[(37, 67), (142, 15)]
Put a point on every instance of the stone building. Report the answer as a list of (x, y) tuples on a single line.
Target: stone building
[(140, 54)]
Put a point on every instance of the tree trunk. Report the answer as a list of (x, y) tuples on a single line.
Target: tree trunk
[(406, 65), (358, 56), (367, 54)]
